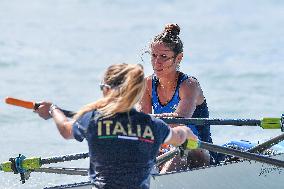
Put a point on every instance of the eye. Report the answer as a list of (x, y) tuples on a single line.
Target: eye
[(154, 55), (163, 56)]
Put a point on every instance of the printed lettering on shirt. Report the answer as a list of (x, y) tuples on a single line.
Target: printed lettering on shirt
[(111, 129)]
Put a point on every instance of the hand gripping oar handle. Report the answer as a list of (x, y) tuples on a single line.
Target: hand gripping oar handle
[(193, 144), (32, 105)]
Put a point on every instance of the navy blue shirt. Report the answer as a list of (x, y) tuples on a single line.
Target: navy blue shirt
[(122, 148)]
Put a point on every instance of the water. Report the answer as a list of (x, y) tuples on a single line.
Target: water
[(58, 50)]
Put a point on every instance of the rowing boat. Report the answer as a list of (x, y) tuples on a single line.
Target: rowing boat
[(253, 175), (225, 175)]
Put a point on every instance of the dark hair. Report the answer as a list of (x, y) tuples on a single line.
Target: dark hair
[(170, 37)]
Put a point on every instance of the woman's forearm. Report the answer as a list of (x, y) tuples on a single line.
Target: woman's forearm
[(63, 125)]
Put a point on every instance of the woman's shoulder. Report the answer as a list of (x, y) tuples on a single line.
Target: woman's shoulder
[(138, 115), (189, 86), (190, 80), (148, 80)]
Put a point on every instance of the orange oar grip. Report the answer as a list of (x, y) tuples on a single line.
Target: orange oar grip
[(21, 103)]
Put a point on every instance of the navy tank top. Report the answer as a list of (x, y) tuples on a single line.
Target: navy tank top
[(201, 111)]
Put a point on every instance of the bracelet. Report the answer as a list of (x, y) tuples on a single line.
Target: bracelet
[(52, 108)]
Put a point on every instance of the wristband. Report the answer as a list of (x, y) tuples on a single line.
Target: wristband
[(52, 108)]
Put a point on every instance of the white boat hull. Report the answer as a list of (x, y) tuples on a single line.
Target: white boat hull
[(246, 174)]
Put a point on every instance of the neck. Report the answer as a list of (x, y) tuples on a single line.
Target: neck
[(169, 81)]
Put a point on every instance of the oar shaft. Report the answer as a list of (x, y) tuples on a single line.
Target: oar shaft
[(68, 113), (245, 155), (63, 170), (167, 156), (207, 121), (64, 158), (266, 145)]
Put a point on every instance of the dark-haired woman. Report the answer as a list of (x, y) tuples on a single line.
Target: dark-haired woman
[(123, 143), (171, 93)]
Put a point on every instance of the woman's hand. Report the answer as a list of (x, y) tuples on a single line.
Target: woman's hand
[(43, 110)]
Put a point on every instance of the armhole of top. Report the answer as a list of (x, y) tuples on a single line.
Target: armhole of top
[(154, 95), (168, 138), (183, 77)]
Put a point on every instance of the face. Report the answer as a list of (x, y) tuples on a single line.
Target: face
[(163, 60)]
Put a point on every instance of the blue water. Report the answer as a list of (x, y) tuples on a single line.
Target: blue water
[(58, 50)]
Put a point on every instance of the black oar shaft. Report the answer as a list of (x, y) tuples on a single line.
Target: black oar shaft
[(68, 113), (245, 155), (266, 145), (64, 158), (197, 121), (207, 121), (62, 170), (167, 156)]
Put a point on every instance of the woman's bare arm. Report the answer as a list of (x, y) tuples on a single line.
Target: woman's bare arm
[(145, 103), (180, 134), (64, 125)]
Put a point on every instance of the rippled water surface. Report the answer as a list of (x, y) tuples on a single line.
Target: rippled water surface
[(58, 50)]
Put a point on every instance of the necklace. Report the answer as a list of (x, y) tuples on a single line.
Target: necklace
[(163, 94)]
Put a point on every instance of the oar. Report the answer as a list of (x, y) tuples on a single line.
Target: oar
[(63, 170), (167, 156), (32, 105), (260, 148), (24, 166), (191, 144), (265, 123), (266, 145), (21, 164)]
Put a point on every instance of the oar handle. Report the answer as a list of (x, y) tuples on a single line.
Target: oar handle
[(32, 105), (21, 103)]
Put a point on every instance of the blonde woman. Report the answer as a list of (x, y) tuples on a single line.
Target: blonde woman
[(123, 143)]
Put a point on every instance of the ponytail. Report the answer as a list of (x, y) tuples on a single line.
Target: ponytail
[(127, 84)]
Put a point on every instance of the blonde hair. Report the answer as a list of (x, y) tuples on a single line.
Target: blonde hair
[(127, 84)]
